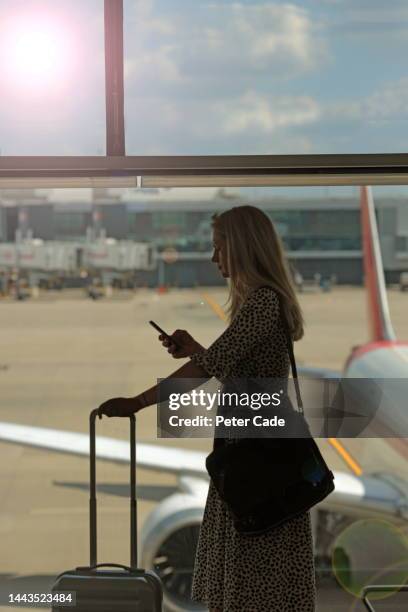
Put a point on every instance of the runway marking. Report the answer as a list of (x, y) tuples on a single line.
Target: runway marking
[(219, 311), (344, 454), (352, 463)]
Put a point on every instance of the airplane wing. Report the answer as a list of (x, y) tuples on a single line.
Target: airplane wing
[(316, 372), (379, 495), (149, 456)]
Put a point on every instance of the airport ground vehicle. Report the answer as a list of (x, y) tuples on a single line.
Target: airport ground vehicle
[(57, 264), (403, 281)]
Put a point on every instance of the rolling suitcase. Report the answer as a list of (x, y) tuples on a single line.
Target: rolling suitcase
[(115, 588)]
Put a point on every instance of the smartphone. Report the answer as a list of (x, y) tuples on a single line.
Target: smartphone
[(159, 329)]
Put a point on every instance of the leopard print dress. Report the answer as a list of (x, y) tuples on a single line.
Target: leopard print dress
[(273, 571)]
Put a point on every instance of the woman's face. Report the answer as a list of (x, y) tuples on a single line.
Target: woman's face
[(220, 253)]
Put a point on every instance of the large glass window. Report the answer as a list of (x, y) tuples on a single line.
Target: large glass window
[(75, 332), (52, 98), (260, 77), (71, 224)]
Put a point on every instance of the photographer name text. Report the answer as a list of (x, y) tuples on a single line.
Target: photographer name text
[(207, 421)]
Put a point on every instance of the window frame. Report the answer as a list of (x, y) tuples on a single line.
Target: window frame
[(116, 169)]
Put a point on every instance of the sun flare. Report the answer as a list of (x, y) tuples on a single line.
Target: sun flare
[(34, 53)]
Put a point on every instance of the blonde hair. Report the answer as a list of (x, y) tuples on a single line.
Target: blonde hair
[(255, 257)]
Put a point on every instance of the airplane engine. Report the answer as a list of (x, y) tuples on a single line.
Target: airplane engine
[(168, 545)]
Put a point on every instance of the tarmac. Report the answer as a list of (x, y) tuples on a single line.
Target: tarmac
[(63, 354)]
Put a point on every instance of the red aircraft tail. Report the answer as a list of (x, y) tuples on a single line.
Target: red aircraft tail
[(378, 311)]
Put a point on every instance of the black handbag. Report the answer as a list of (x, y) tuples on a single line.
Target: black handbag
[(267, 481)]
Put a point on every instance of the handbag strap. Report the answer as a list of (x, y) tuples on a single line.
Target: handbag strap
[(289, 343)]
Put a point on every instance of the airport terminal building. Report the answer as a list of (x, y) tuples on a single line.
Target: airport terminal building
[(321, 235)]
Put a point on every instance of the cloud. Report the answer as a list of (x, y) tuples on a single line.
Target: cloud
[(385, 104), (270, 32), (214, 43), (370, 20), (254, 112), (249, 124), (151, 67), (261, 123)]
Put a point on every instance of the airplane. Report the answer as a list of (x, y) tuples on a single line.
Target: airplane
[(170, 532)]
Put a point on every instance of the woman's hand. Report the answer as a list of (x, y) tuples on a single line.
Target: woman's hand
[(184, 345), (120, 407)]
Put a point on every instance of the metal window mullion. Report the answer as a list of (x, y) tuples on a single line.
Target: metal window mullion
[(114, 81)]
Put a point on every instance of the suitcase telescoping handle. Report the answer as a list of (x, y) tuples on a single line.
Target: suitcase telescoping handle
[(92, 490)]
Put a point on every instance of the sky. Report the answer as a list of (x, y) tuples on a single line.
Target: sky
[(267, 77), (213, 77)]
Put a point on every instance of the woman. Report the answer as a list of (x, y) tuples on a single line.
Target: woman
[(235, 573)]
